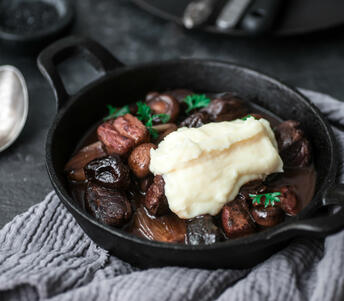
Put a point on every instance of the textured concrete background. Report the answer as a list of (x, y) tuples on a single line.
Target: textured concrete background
[(314, 62)]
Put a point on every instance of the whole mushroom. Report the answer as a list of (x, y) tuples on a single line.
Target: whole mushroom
[(294, 147), (236, 219), (109, 172), (226, 107), (139, 159), (267, 217), (196, 120), (109, 206), (164, 104)]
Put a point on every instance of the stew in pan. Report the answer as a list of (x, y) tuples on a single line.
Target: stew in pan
[(192, 168)]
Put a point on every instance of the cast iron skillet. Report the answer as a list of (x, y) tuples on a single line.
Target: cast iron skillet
[(120, 85)]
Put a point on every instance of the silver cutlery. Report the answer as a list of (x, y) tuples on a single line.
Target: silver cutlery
[(14, 103), (198, 12), (232, 13)]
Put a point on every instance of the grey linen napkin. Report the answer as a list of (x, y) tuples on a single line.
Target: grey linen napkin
[(44, 255)]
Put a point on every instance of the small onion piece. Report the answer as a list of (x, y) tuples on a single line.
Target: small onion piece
[(75, 165), (167, 228)]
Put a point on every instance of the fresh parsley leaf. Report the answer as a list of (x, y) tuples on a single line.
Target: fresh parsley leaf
[(247, 117), (163, 117), (124, 110), (112, 110), (270, 198), (149, 123), (196, 101), (116, 112), (256, 198), (144, 113)]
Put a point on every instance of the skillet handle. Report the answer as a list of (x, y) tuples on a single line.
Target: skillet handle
[(100, 58), (317, 227)]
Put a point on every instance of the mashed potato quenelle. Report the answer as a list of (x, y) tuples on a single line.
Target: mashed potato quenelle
[(205, 167)]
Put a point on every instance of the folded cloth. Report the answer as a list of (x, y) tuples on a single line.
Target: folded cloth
[(44, 255)]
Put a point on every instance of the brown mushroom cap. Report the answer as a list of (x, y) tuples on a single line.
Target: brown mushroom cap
[(164, 104), (139, 159), (267, 217)]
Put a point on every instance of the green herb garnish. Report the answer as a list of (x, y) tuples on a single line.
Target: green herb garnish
[(153, 132), (163, 117), (270, 198), (196, 101), (144, 113), (116, 112), (247, 117)]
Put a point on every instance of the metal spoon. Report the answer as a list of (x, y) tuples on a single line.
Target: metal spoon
[(198, 12), (14, 103)]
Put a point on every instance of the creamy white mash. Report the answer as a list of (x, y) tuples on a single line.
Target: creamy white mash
[(205, 167)]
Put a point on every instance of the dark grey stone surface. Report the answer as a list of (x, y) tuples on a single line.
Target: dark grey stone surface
[(314, 62)]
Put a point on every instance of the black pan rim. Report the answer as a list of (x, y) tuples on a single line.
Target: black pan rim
[(236, 243)]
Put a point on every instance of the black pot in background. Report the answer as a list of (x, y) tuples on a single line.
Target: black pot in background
[(15, 15), (121, 85)]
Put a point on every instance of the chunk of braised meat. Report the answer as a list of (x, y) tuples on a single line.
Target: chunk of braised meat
[(167, 228), (139, 159), (109, 206), (196, 120), (163, 104), (155, 200), (267, 217), (202, 231), (75, 166), (131, 127), (226, 107), (113, 141), (122, 134), (294, 148), (108, 171), (236, 219), (289, 202)]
